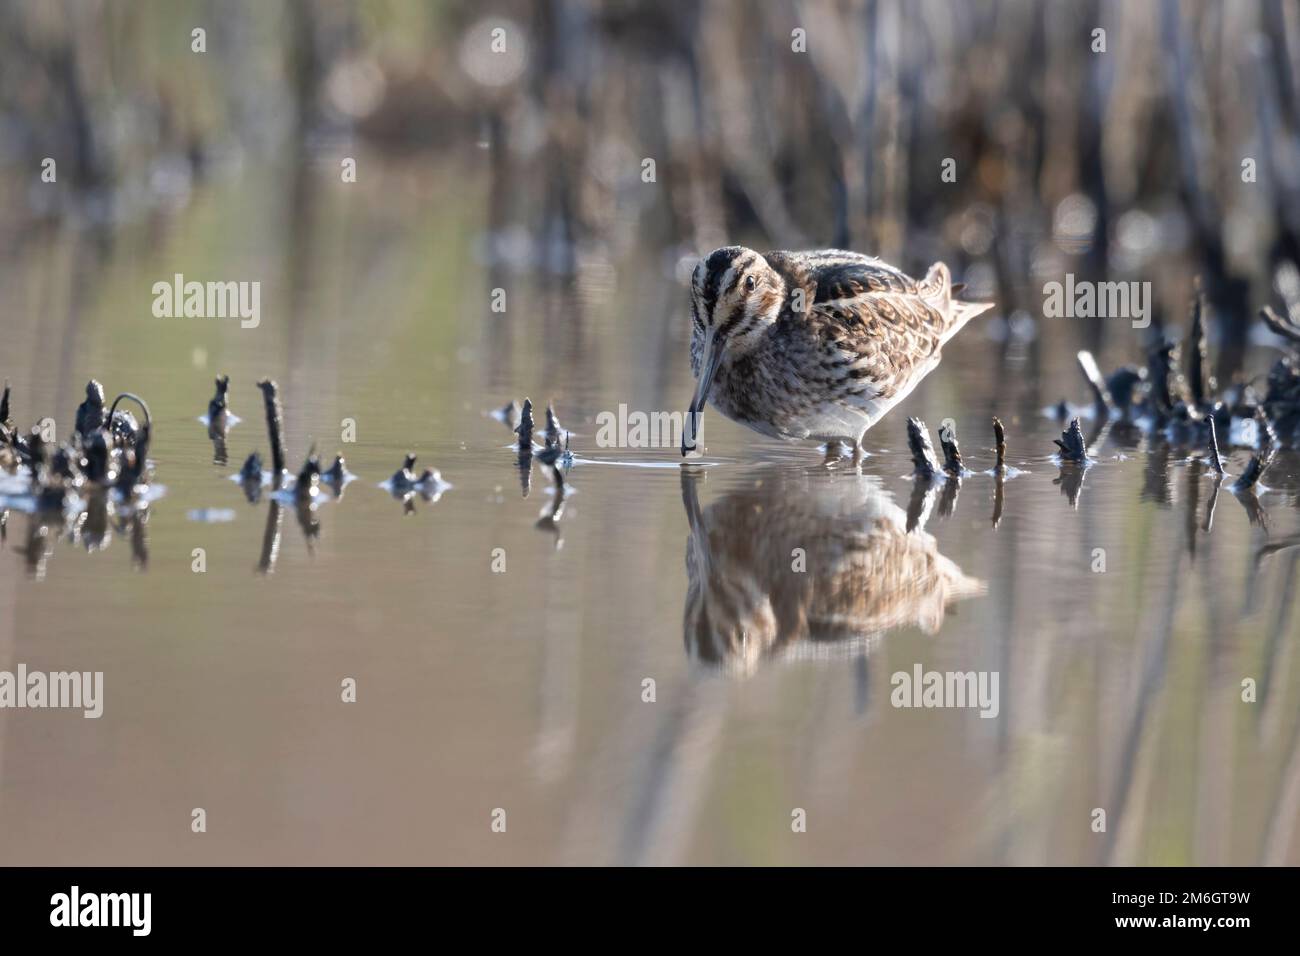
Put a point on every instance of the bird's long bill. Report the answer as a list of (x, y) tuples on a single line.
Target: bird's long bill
[(708, 369)]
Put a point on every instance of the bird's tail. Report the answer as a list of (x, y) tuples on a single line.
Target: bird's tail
[(937, 289)]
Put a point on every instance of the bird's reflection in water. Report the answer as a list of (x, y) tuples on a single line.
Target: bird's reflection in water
[(797, 566)]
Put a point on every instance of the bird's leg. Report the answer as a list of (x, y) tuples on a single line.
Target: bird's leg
[(837, 449), (861, 444)]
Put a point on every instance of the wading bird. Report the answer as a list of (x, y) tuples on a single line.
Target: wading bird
[(814, 345)]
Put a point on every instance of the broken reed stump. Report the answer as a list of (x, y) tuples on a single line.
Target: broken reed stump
[(924, 464), (524, 447), (1215, 462), (952, 463), (1071, 443), (1074, 459), (135, 459), (110, 450), (525, 428), (218, 421), (1180, 386), (404, 478), (217, 407), (90, 413), (336, 473), (274, 426), (554, 431), (999, 468)]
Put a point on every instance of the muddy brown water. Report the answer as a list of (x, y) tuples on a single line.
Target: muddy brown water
[(524, 690)]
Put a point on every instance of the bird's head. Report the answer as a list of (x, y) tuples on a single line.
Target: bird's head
[(735, 297)]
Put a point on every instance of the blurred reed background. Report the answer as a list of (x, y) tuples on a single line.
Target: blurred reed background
[(1131, 159)]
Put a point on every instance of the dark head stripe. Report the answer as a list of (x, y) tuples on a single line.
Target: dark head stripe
[(734, 318), (716, 265), (740, 266)]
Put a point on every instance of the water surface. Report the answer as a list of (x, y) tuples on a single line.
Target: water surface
[(523, 689)]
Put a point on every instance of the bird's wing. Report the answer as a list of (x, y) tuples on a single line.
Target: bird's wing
[(831, 274), (847, 275), (852, 284), (885, 337), (881, 323)]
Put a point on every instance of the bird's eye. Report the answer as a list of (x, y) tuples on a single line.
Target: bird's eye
[(750, 282)]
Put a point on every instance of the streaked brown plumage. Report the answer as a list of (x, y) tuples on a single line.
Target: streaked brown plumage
[(818, 345), (863, 572)]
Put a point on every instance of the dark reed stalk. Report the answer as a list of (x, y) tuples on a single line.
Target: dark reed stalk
[(274, 426), (1215, 462), (554, 431), (217, 407), (525, 427), (90, 413), (336, 472), (924, 464), (952, 463), (137, 455)]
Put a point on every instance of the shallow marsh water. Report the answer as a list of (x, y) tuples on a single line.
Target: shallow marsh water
[(523, 690)]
